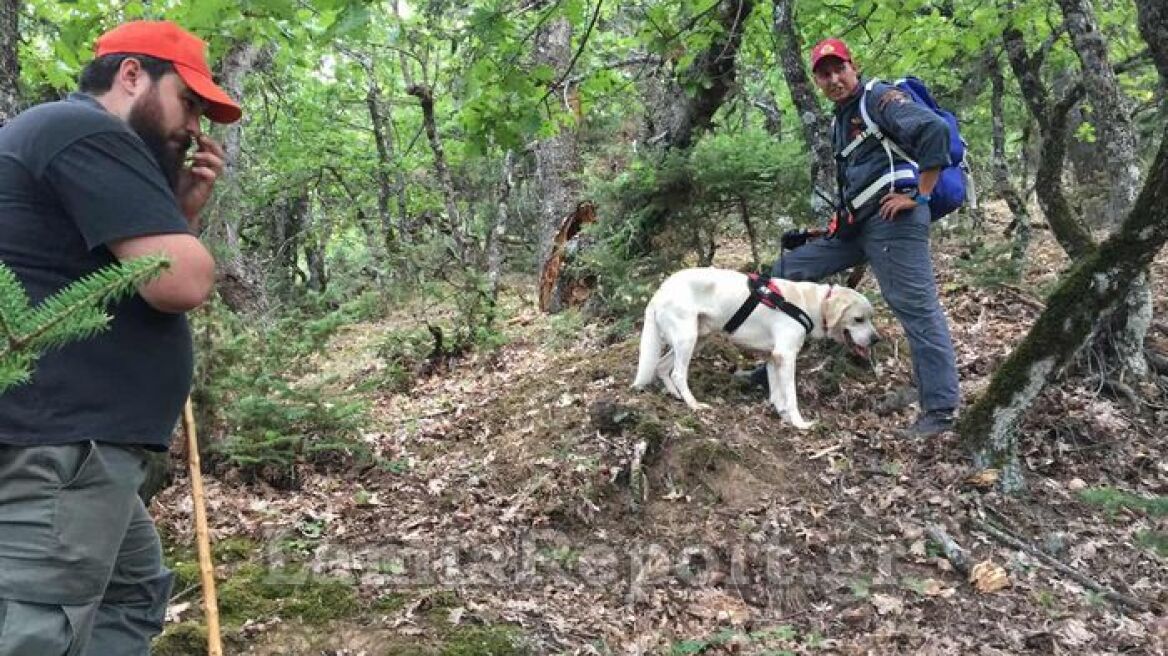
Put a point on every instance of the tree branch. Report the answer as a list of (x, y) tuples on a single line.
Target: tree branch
[(576, 56), (1013, 541)]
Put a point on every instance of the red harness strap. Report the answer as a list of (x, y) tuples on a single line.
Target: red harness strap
[(765, 290)]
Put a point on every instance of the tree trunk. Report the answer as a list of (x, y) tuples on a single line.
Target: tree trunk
[(287, 226), (499, 230), (712, 73), (1020, 225), (1089, 292), (751, 233), (453, 218), (677, 116), (381, 122), (773, 116), (9, 59), (316, 238), (1111, 117), (1084, 298), (239, 278), (557, 158), (1111, 112), (557, 291), (1052, 124), (1153, 23), (815, 123)]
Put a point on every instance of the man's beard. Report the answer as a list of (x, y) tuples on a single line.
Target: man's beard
[(146, 120)]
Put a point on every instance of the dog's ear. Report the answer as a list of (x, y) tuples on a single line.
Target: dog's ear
[(833, 312)]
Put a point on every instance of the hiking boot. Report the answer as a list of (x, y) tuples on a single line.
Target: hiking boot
[(933, 422), (756, 377)]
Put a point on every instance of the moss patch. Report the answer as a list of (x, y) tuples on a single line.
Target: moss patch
[(256, 592), (233, 550), (707, 456), (483, 641), (181, 639), (1113, 499), (1157, 541)]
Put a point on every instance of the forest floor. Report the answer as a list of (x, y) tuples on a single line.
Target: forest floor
[(504, 514)]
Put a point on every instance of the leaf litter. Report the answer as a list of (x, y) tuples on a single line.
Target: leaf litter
[(516, 503)]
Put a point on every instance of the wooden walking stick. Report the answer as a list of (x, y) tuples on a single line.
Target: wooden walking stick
[(202, 536)]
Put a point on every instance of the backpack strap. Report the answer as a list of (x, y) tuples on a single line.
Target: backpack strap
[(888, 142), (872, 129)]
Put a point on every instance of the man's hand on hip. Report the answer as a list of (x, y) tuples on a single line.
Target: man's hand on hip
[(894, 203)]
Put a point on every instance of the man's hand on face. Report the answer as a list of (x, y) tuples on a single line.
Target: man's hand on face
[(196, 181), (894, 203)]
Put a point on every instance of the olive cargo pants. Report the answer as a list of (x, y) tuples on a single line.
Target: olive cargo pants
[(81, 569)]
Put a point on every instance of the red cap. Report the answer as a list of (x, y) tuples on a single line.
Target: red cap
[(167, 41), (830, 48)]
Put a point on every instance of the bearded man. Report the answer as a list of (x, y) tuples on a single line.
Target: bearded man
[(104, 176)]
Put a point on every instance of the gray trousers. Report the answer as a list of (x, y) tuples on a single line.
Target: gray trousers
[(898, 253), (81, 569)]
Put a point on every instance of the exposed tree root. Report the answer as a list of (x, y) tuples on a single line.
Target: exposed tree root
[(953, 551)]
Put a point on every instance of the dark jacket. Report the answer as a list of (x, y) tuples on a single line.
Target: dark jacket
[(921, 133)]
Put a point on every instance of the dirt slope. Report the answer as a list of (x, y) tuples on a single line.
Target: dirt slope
[(507, 515)]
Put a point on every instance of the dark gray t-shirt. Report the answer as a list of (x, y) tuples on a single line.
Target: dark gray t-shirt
[(73, 179)]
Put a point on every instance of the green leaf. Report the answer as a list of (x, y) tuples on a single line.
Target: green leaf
[(353, 18)]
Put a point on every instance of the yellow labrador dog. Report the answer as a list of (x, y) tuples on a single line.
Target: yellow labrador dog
[(694, 302)]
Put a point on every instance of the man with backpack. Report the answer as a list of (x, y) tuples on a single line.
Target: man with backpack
[(890, 154)]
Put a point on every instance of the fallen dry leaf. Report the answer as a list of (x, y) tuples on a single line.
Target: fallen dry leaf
[(716, 605), (985, 478), (1074, 633), (988, 576), (933, 588), (886, 604)]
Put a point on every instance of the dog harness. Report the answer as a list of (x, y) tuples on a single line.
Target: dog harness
[(765, 290)]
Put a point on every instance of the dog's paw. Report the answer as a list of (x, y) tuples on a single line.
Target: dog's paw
[(801, 424), (699, 406)]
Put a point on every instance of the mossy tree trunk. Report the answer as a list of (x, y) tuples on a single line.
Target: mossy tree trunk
[(1121, 343), (1084, 299), (381, 120), (1087, 295), (1110, 108), (1112, 119), (455, 227)]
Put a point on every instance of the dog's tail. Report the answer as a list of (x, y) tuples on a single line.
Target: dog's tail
[(650, 349)]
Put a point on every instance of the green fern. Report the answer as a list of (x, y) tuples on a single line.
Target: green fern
[(73, 313)]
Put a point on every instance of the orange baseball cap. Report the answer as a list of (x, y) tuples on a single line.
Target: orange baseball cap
[(167, 41), (830, 48)]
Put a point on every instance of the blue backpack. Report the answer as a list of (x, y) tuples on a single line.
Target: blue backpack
[(953, 184)]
